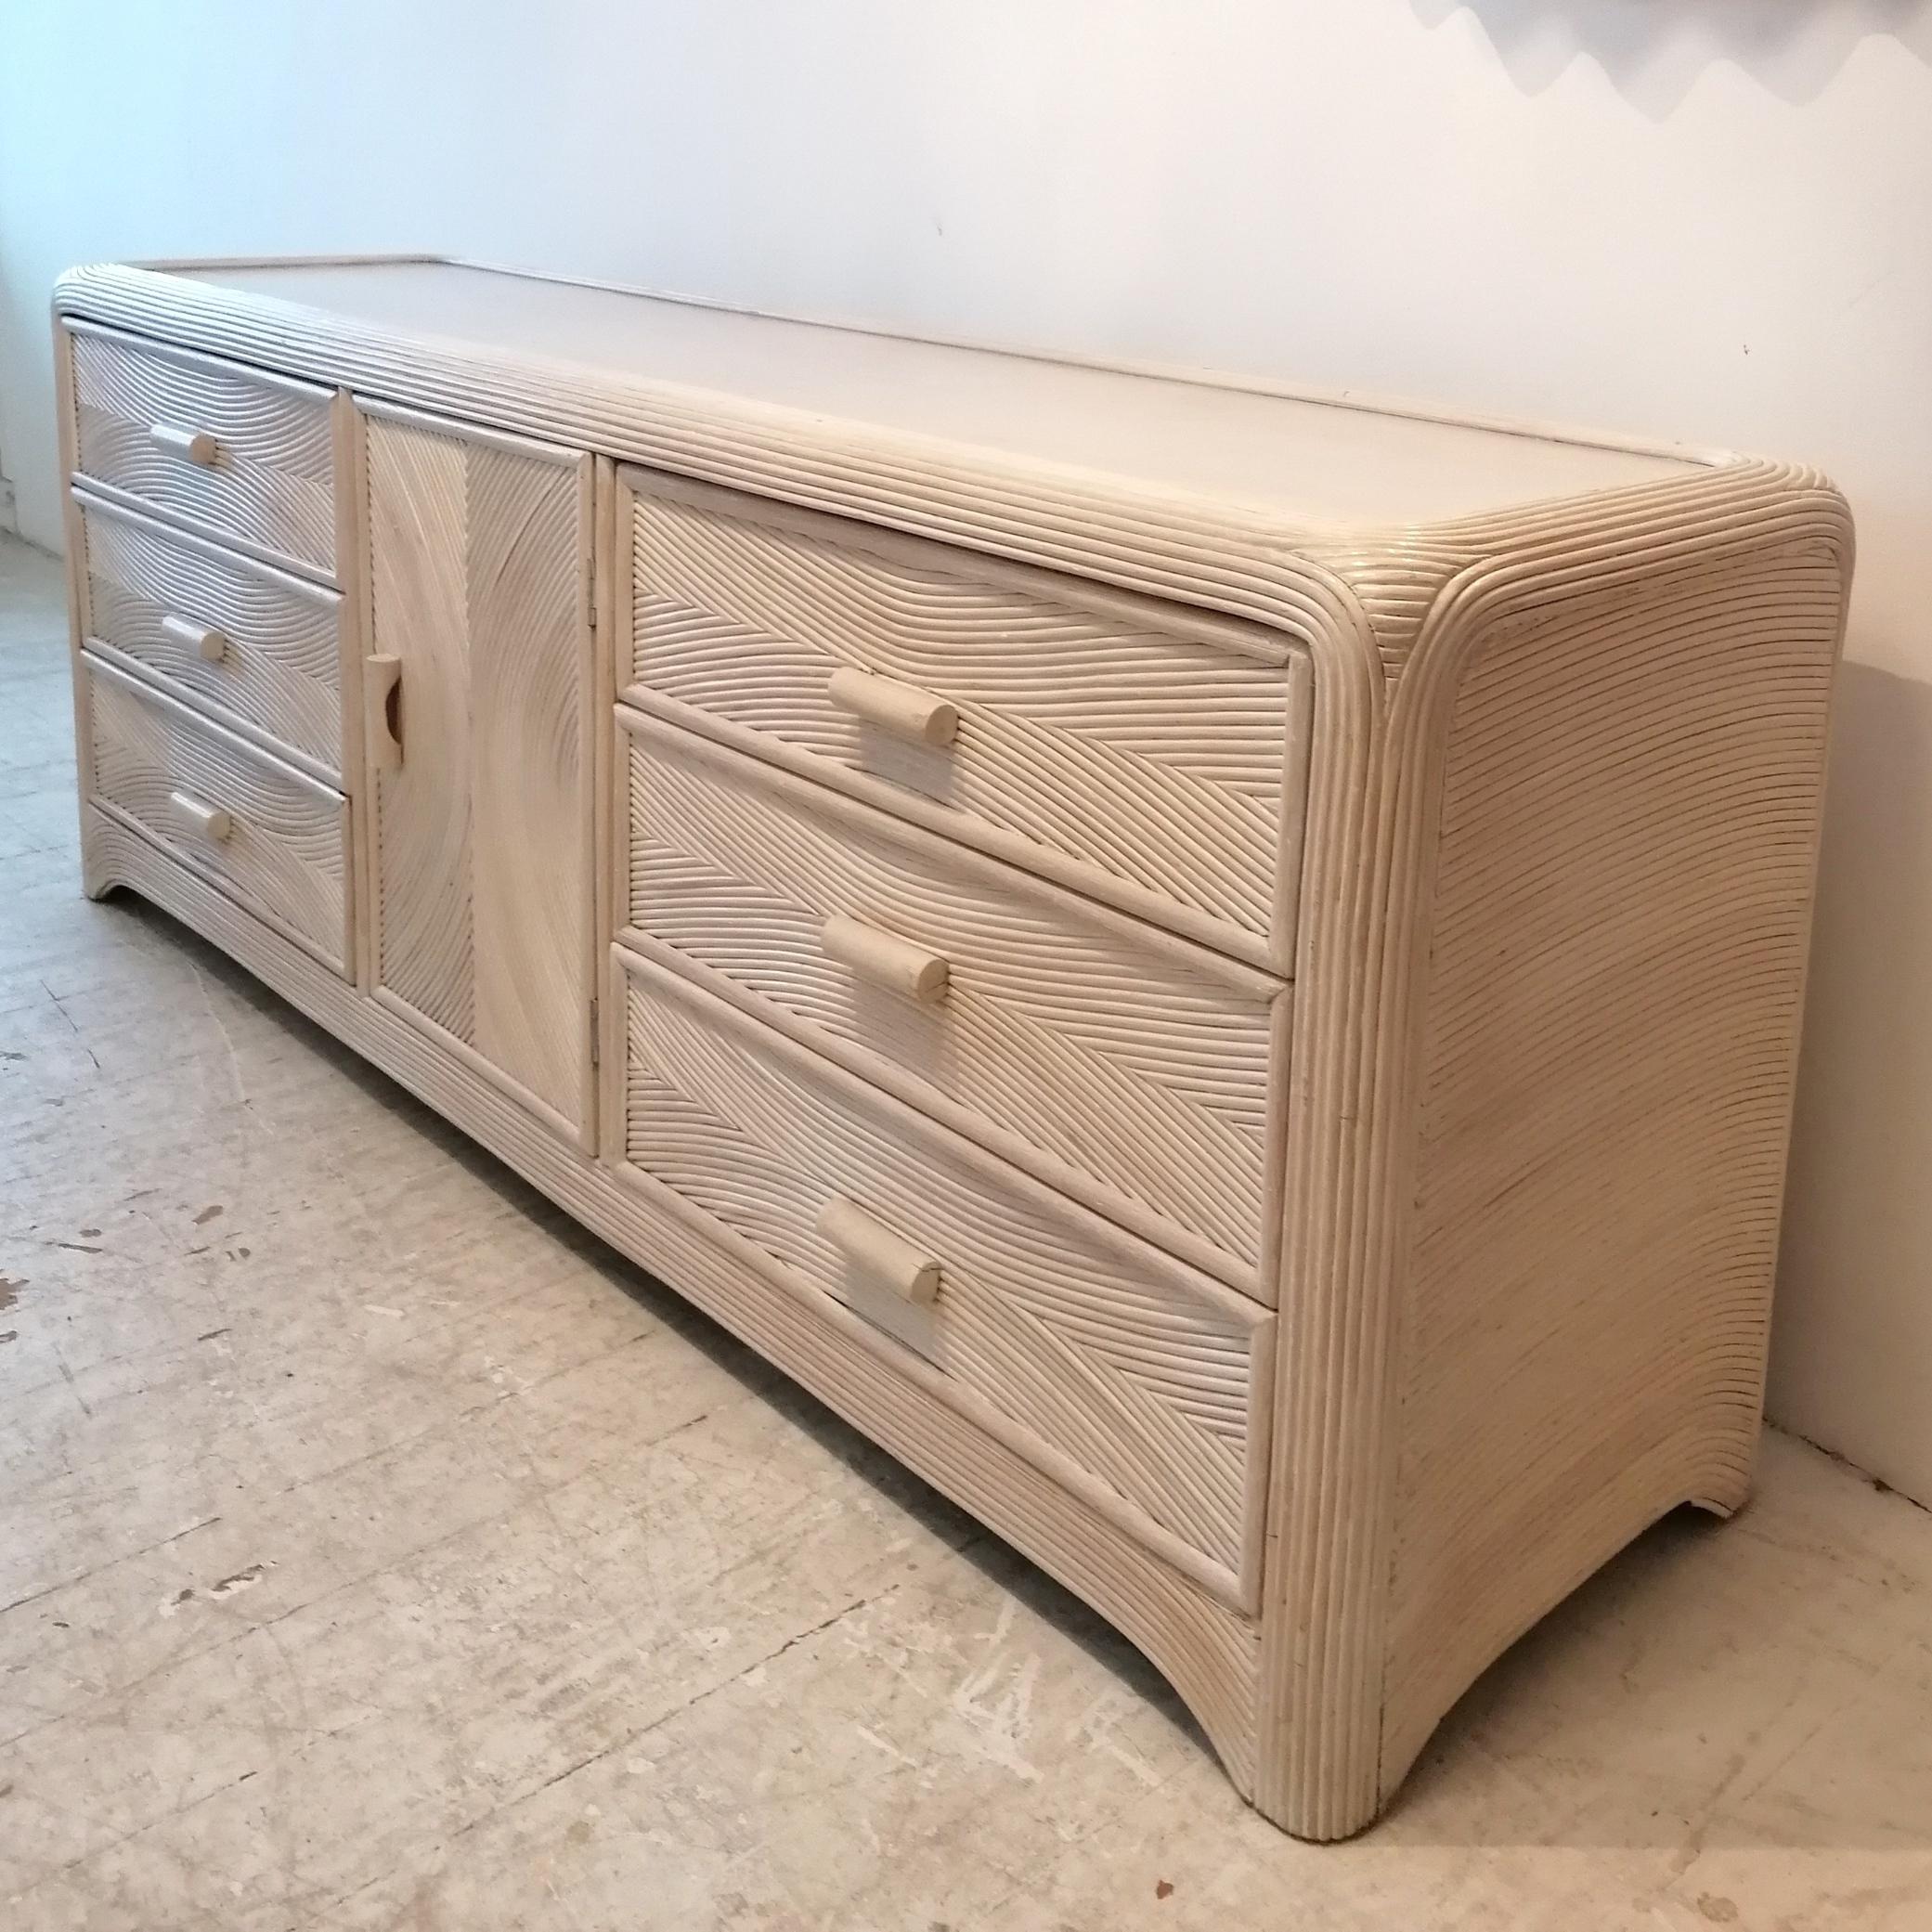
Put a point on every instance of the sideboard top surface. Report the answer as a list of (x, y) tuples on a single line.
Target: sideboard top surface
[(1327, 460)]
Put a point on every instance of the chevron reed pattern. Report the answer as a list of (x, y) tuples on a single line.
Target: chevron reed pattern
[(281, 672), (273, 480), (1149, 760), (1101, 1347), (482, 833), (287, 854), (1138, 1061)]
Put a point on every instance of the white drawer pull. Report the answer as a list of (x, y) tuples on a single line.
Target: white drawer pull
[(903, 709), (196, 445), (871, 1246), (209, 821), (211, 647), (381, 711), (885, 959)]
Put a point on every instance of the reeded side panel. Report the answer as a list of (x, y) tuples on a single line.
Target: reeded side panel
[(269, 481), (1140, 1372), (1135, 762), (482, 833), (279, 668), (1130, 1063), (1629, 826)]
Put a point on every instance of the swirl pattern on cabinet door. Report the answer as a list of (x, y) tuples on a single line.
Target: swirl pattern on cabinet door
[(1130, 1066), (281, 670), (1149, 764), (527, 666), (482, 837), (272, 483), (1135, 1369), (284, 852), (425, 948)]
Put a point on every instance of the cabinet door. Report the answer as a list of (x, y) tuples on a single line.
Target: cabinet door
[(477, 696)]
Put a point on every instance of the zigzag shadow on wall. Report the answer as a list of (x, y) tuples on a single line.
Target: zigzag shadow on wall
[(1653, 51)]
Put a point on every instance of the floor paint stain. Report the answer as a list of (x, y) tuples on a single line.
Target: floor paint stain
[(997, 1704), (227, 1587), (10, 1334), (240, 1580), (11, 1288), (208, 1213)]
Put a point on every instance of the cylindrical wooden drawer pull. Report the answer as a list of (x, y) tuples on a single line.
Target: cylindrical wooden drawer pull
[(903, 709), (871, 1247), (381, 711), (885, 959), (209, 821), (209, 645), (195, 445)]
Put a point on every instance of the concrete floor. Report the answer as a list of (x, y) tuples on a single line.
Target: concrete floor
[(380, 1552)]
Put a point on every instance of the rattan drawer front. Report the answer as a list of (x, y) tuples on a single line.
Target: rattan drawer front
[(1133, 750), (1124, 1064), (270, 836), (246, 456), (260, 649), (1092, 1347)]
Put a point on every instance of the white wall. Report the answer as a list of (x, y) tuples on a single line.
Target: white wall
[(1704, 218)]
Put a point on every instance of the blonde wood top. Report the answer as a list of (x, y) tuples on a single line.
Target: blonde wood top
[(1327, 459)]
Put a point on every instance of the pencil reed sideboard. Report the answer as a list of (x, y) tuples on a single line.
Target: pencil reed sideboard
[(1219, 970)]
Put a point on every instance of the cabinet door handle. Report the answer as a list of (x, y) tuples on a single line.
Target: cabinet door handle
[(209, 644), (209, 821), (886, 959), (871, 1247), (903, 709), (381, 711), (196, 445)]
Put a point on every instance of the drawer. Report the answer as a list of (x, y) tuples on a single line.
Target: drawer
[(260, 649), (1130, 1068), (246, 456), (1140, 1381), (270, 835), (1148, 756)]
